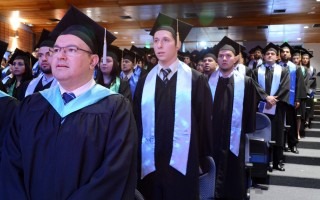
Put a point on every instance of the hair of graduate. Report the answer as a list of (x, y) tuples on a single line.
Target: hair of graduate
[(170, 30), (114, 72), (27, 75)]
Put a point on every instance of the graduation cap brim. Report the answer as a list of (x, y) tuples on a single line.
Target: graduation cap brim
[(3, 48), (229, 44), (127, 54), (305, 52), (116, 51), (163, 22), (18, 52), (44, 36), (287, 45), (271, 47), (258, 47), (75, 17)]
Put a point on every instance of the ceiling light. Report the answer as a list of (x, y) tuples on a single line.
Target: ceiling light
[(229, 16), (298, 38), (306, 27), (116, 32), (132, 42), (311, 13), (88, 11)]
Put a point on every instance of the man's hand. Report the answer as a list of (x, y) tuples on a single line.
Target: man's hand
[(272, 100)]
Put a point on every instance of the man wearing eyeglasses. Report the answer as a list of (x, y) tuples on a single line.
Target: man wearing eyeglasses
[(45, 80), (77, 140)]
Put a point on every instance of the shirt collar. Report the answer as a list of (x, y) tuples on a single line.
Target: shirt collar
[(77, 92), (173, 67)]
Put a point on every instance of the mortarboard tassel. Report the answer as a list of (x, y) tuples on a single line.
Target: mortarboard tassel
[(178, 36), (104, 55)]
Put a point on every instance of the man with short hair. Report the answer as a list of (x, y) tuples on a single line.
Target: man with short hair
[(233, 115), (257, 61), (210, 64), (45, 80), (77, 140), (173, 113), (297, 94), (274, 81)]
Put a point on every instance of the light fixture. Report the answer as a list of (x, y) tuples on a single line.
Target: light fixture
[(298, 38), (88, 11), (15, 20), (116, 32), (229, 16), (306, 27), (132, 42)]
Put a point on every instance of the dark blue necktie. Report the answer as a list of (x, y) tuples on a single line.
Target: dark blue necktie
[(165, 73), (67, 97)]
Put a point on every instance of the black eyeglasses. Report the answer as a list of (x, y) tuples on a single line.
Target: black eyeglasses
[(69, 50), (18, 63)]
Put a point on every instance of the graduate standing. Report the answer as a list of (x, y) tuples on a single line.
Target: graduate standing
[(274, 81), (234, 113), (173, 113), (76, 140), (297, 94)]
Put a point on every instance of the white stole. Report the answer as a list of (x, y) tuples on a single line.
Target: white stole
[(275, 79), (237, 107), (182, 122), (33, 84), (241, 68)]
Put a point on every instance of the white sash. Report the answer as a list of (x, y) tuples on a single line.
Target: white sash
[(250, 65), (237, 109), (182, 122), (241, 68), (33, 84), (275, 79)]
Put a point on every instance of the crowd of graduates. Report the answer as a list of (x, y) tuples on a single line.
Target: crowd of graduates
[(70, 135)]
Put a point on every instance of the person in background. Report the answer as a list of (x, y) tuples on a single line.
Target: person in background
[(77, 140), (233, 115), (274, 81), (108, 74), (45, 80), (172, 108), (21, 74)]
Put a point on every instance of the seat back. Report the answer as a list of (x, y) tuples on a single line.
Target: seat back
[(207, 180), (263, 128)]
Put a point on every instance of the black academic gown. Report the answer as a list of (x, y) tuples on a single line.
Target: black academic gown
[(277, 120), (230, 178), (166, 182), (291, 113), (124, 89), (91, 155), (7, 108), (312, 86)]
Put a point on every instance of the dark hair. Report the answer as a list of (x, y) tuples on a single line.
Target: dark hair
[(27, 75), (114, 72), (169, 29)]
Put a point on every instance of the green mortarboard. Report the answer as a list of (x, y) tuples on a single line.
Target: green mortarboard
[(164, 22), (78, 24)]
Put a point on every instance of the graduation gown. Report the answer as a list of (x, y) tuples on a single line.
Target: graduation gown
[(230, 174), (7, 108), (91, 155), (277, 120), (124, 89), (166, 182)]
